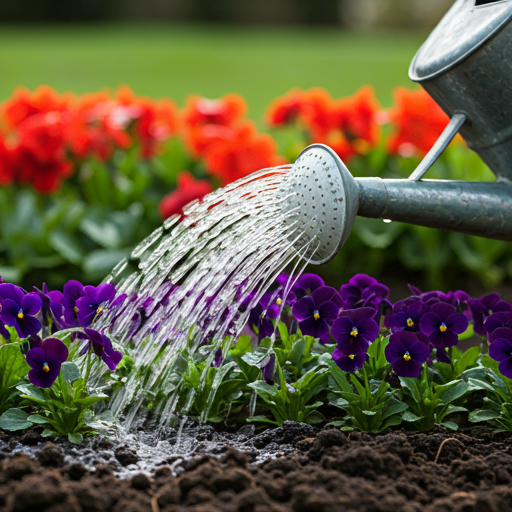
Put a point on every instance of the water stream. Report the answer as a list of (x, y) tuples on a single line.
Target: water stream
[(186, 283)]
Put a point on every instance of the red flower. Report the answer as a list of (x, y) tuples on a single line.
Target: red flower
[(188, 190), (200, 139), (418, 122), (6, 167), (353, 130), (244, 153), (43, 136), (24, 104), (155, 121), (312, 109), (45, 177), (224, 111)]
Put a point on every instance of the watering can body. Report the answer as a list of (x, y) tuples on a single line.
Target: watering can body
[(466, 66)]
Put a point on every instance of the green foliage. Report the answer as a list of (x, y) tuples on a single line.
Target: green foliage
[(371, 406), (13, 368), (64, 409)]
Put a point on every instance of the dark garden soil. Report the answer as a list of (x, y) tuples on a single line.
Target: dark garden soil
[(292, 468)]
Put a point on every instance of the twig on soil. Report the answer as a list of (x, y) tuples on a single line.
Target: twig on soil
[(443, 443), (154, 504)]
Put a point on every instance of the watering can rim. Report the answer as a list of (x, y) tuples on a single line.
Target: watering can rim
[(423, 71)]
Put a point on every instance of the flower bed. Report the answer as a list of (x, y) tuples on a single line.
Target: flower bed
[(347, 357), (84, 179)]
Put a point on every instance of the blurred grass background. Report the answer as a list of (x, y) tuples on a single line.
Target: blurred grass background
[(174, 60)]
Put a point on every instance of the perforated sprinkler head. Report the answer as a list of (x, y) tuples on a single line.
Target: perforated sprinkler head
[(323, 199)]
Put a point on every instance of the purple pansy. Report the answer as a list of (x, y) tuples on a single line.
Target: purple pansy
[(46, 361), (484, 307), (497, 320), (218, 358), (354, 330), (19, 309), (73, 290), (52, 307), (102, 347), (267, 369), (406, 354), (501, 349), (307, 284), (349, 363), (93, 302), (406, 315), (443, 325), (363, 291), (316, 312), (259, 317)]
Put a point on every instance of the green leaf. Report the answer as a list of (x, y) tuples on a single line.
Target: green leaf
[(483, 415), (450, 424), (31, 391), (12, 368), (468, 358), (394, 407), (297, 352), (261, 419), (75, 438), (410, 417), (369, 413), (262, 388), (412, 385), (71, 371), (455, 392), (36, 418), (14, 419), (49, 433), (339, 376), (283, 332), (66, 245)]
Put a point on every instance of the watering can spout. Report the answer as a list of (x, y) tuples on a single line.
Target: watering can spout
[(327, 199)]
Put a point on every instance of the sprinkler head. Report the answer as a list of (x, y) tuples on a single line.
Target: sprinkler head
[(324, 199)]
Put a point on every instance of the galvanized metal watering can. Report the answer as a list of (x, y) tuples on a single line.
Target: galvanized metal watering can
[(466, 66)]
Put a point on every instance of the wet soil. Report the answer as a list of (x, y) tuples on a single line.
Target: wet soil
[(293, 468)]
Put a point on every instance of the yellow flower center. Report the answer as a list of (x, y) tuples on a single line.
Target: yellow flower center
[(262, 316), (354, 332), (46, 368), (279, 301), (316, 314), (75, 309), (99, 311), (443, 327), (21, 315), (407, 357), (352, 356), (410, 323)]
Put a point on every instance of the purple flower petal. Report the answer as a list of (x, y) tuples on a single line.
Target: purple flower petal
[(357, 314), (506, 367), (36, 357), (368, 329), (500, 349), (405, 368), (342, 327), (9, 309), (43, 379), (303, 308), (362, 281), (28, 325), (328, 311), (31, 304), (430, 323), (394, 352), (316, 328), (501, 332), (324, 294), (307, 282), (54, 347), (349, 363), (443, 339), (74, 290), (86, 310), (106, 292), (11, 291), (457, 322), (442, 310)]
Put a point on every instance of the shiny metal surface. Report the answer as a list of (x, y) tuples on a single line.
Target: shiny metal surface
[(464, 28), (446, 137), (466, 66)]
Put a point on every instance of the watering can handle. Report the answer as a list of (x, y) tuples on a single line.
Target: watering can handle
[(445, 138)]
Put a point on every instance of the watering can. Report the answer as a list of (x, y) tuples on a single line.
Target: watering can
[(466, 66)]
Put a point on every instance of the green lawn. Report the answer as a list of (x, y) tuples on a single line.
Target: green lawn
[(174, 60)]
